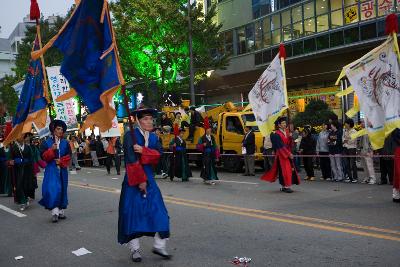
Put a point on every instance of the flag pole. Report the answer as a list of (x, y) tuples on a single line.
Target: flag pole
[(282, 56), (35, 15)]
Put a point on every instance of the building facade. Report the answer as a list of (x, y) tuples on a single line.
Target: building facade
[(320, 37)]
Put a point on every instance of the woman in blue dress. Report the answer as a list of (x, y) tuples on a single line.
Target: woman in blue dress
[(142, 211), (57, 154)]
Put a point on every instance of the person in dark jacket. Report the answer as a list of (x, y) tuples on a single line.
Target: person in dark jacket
[(100, 150), (248, 150), (335, 145), (307, 147), (195, 120), (386, 163)]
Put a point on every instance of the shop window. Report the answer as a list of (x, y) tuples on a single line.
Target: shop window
[(297, 48), (322, 42), (321, 7), (298, 30), (309, 10), (258, 58), (249, 37), (274, 52), (385, 7), (351, 35), (368, 31), (309, 26), (241, 41), (258, 35), (286, 18), (322, 23), (309, 45), (261, 8), (275, 22), (267, 56), (284, 3), (266, 32), (276, 36), (381, 28), (351, 14), (287, 33), (367, 10), (288, 48), (336, 39), (297, 14), (228, 42), (336, 4), (336, 18)]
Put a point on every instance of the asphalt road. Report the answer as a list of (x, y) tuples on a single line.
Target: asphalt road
[(321, 224)]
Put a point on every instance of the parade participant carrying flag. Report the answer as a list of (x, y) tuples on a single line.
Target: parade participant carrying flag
[(90, 63), (375, 79), (283, 167), (269, 101), (56, 152)]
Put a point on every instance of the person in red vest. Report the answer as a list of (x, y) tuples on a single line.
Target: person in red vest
[(283, 167)]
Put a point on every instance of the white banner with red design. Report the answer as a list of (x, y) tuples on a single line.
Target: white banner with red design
[(268, 98)]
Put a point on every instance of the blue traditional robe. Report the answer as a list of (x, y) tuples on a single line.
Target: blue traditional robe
[(55, 182), (141, 215)]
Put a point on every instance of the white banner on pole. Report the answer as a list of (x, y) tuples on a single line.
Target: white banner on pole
[(59, 85)]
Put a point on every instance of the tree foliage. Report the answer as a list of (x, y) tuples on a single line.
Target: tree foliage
[(153, 41), (315, 113), (8, 95)]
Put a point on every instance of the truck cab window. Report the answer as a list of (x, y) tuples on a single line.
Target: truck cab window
[(234, 125)]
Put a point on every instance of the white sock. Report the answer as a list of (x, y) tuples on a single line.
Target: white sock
[(55, 211), (134, 244), (159, 243), (61, 212)]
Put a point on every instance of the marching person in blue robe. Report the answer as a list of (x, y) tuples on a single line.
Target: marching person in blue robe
[(57, 154), (142, 211)]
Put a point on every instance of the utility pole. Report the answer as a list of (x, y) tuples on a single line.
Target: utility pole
[(191, 82)]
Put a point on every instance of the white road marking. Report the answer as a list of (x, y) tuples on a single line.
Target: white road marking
[(114, 178), (13, 212), (228, 181), (196, 178)]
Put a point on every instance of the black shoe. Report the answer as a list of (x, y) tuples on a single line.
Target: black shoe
[(62, 217), (382, 183), (171, 178), (287, 190), (396, 200), (118, 173), (162, 252), (54, 219)]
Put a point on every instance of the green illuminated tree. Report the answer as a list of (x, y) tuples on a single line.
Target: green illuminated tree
[(153, 41)]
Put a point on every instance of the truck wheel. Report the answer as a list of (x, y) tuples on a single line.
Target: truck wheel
[(233, 163)]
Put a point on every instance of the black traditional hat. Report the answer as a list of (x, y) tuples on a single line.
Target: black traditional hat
[(57, 123), (142, 111), (279, 120)]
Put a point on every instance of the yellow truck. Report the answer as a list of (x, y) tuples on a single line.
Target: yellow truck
[(228, 123)]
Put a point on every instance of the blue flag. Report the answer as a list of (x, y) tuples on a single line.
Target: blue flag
[(32, 104), (90, 62)]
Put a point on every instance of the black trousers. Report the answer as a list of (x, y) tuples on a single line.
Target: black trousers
[(350, 166), (116, 158), (386, 167), (325, 165), (308, 166)]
